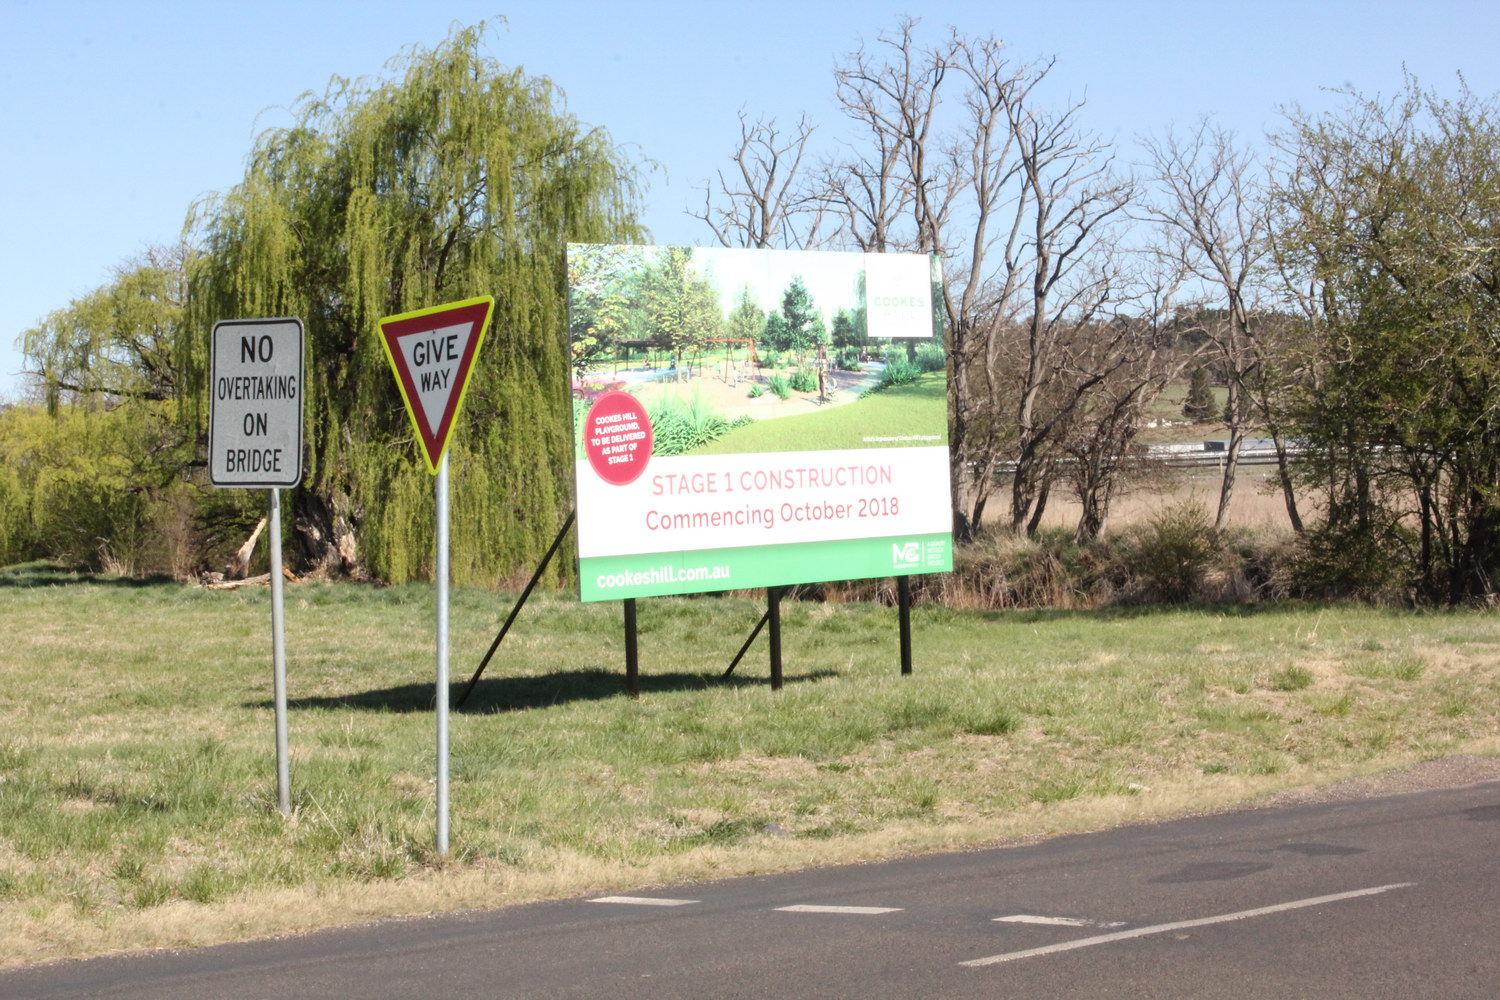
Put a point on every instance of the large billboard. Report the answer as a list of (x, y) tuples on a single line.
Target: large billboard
[(756, 418)]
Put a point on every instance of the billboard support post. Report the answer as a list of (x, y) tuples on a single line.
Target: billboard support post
[(903, 604), (773, 615), (746, 647), (516, 609), (632, 652)]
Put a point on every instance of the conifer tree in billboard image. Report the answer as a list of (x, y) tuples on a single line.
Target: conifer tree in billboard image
[(756, 418)]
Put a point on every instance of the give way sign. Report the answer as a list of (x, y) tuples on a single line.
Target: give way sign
[(432, 353)]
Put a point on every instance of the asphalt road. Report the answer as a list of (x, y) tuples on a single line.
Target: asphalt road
[(1383, 897)]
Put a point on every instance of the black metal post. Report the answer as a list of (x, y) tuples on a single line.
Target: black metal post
[(632, 654), (903, 605), (520, 603), (773, 615)]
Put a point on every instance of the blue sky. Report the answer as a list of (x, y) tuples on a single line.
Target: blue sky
[(117, 116)]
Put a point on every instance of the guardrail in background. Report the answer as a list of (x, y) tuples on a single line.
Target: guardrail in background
[(1199, 454)]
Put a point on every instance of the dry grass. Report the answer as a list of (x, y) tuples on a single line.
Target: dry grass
[(1256, 504), (137, 780)]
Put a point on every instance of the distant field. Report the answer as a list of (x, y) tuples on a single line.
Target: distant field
[(1256, 504), (137, 770), (1167, 408)]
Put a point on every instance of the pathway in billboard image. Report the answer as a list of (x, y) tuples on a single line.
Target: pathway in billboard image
[(753, 418), (722, 386)]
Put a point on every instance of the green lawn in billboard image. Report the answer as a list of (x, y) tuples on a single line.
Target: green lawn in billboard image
[(890, 414)]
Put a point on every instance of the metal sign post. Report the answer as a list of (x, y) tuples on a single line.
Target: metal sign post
[(441, 490), (278, 660), (255, 440), (431, 352)]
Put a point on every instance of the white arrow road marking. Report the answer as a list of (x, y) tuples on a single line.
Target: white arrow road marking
[(643, 900), (1136, 932)]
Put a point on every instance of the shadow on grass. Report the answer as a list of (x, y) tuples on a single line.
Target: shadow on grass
[(45, 574), (510, 694)]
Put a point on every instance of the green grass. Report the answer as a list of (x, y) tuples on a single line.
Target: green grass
[(892, 412), (137, 784), (1168, 405)]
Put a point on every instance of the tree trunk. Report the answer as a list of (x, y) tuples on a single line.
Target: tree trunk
[(1232, 459), (1041, 505), (1023, 490), (1288, 494), (240, 564), (327, 535), (1231, 468)]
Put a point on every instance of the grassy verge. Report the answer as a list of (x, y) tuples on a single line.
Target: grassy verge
[(137, 775)]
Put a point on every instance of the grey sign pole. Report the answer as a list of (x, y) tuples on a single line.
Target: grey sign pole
[(431, 352), (278, 661), (441, 489), (255, 440)]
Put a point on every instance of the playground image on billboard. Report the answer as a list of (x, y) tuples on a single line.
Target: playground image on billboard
[(756, 418)]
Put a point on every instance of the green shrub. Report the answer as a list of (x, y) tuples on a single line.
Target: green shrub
[(778, 384), (756, 391), (109, 489), (804, 381), (898, 371), (679, 425), (1171, 555), (930, 358), (1346, 562)]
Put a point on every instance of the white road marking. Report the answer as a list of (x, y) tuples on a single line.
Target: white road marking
[(1136, 932), (1027, 918), (855, 910), (643, 900)]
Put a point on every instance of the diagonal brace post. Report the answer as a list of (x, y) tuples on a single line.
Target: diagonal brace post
[(520, 603), (746, 647)]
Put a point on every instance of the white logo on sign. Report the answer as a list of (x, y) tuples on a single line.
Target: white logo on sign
[(432, 358), (898, 295), (906, 554)]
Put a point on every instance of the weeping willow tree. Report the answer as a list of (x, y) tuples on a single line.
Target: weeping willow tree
[(456, 178)]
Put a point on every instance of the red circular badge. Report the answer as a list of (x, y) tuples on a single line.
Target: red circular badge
[(617, 437)]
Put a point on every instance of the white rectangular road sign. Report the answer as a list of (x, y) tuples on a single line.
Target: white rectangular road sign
[(255, 403)]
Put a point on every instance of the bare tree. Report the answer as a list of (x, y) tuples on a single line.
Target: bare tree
[(910, 185), (949, 156), (1100, 443), (1212, 214), (764, 203), (1073, 270)]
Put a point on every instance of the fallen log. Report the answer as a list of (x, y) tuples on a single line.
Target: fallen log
[(215, 582)]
